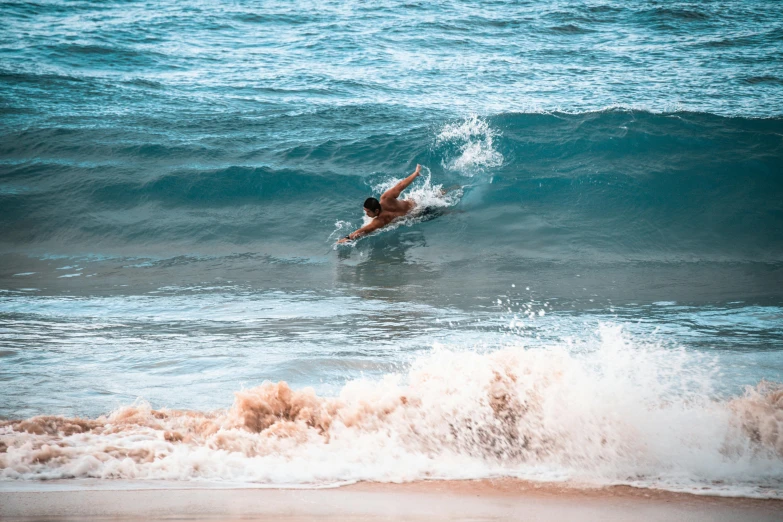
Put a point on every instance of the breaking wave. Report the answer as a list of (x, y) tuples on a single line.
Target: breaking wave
[(618, 412), (472, 143), (613, 184)]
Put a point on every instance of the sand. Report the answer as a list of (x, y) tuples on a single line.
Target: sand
[(504, 499)]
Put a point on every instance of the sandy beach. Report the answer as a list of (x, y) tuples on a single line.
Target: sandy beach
[(432, 500)]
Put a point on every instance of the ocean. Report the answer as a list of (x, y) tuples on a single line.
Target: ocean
[(597, 300)]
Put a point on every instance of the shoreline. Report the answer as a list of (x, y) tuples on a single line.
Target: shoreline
[(486, 499)]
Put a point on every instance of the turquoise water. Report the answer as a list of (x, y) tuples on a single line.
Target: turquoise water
[(599, 298)]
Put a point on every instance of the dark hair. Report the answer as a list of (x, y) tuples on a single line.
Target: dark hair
[(372, 204)]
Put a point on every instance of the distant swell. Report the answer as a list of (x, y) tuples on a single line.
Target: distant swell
[(624, 413)]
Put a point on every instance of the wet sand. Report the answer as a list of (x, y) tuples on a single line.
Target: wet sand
[(432, 500)]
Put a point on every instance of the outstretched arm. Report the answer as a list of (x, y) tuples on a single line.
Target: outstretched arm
[(397, 189), (366, 229)]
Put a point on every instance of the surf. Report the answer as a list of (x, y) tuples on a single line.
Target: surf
[(621, 411)]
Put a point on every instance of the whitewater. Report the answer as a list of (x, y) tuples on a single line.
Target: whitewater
[(596, 300), (616, 413)]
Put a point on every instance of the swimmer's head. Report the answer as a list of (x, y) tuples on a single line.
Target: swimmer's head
[(372, 207)]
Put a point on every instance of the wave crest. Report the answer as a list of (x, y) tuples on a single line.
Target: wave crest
[(470, 146)]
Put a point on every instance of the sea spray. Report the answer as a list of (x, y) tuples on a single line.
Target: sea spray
[(468, 146), (620, 411)]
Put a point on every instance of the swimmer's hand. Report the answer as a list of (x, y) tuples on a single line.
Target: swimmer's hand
[(418, 170), (345, 239)]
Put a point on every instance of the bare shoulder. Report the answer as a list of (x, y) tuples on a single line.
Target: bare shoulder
[(395, 205), (388, 198), (384, 219)]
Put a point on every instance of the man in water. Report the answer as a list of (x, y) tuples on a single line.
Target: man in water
[(387, 209)]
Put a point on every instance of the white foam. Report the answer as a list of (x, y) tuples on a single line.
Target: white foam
[(341, 227), (474, 141), (617, 412)]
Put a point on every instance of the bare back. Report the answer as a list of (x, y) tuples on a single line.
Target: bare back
[(392, 207), (396, 206)]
